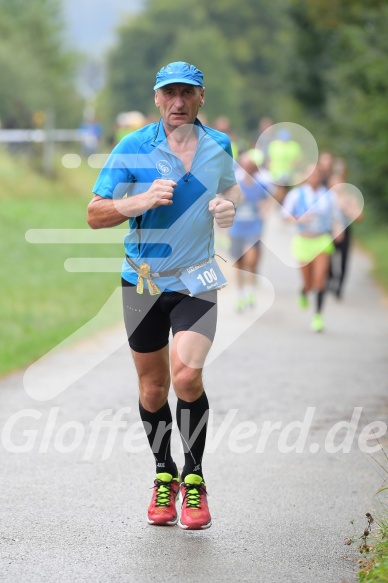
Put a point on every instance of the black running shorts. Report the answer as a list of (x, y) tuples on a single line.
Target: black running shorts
[(149, 319)]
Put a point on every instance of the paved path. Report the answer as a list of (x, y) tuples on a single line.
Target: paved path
[(75, 516)]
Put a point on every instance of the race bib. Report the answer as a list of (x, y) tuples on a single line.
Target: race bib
[(202, 277)]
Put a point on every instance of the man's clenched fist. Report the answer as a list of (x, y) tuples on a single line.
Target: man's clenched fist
[(223, 211), (160, 193)]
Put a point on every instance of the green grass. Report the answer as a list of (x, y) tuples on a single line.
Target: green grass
[(377, 244), (42, 303), (374, 567), (373, 236)]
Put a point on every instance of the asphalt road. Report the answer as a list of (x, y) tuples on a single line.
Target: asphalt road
[(74, 493)]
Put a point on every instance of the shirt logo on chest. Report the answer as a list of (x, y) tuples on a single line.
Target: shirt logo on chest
[(163, 167)]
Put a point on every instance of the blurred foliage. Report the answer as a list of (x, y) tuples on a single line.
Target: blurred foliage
[(320, 63), (232, 44), (339, 77), (38, 73)]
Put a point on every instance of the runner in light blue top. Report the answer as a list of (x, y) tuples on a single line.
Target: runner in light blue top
[(246, 231), (160, 236), (318, 206), (314, 212), (165, 179)]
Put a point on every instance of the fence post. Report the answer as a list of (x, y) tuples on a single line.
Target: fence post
[(49, 144)]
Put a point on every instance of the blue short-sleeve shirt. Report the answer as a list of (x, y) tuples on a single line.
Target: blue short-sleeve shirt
[(248, 221), (179, 235)]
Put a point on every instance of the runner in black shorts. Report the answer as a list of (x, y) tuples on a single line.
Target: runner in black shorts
[(149, 319), (172, 179)]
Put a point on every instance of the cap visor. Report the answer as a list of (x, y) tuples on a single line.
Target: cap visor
[(176, 80)]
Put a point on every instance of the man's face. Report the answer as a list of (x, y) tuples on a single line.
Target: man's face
[(315, 175), (326, 161), (179, 103)]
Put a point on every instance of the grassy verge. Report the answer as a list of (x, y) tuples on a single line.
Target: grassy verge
[(373, 236), (374, 565), (42, 303)]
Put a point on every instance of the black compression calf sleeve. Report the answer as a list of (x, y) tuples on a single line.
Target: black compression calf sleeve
[(320, 296), (158, 428), (192, 421)]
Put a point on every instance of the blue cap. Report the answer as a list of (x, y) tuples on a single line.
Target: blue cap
[(179, 72)]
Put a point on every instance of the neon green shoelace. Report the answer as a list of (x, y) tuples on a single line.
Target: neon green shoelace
[(163, 493), (193, 496)]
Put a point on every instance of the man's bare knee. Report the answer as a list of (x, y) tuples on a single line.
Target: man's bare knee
[(187, 383), (153, 396)]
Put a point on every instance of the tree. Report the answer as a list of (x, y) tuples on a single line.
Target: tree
[(143, 42), (38, 72), (339, 79), (319, 63), (222, 89), (233, 43), (251, 32), (357, 104)]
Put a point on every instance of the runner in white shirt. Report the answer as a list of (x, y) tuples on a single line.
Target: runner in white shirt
[(314, 211)]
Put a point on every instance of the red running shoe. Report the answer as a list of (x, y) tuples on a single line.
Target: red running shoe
[(162, 509), (195, 513)]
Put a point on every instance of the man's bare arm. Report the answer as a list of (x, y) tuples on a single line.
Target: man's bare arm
[(107, 212), (233, 193), (222, 208)]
